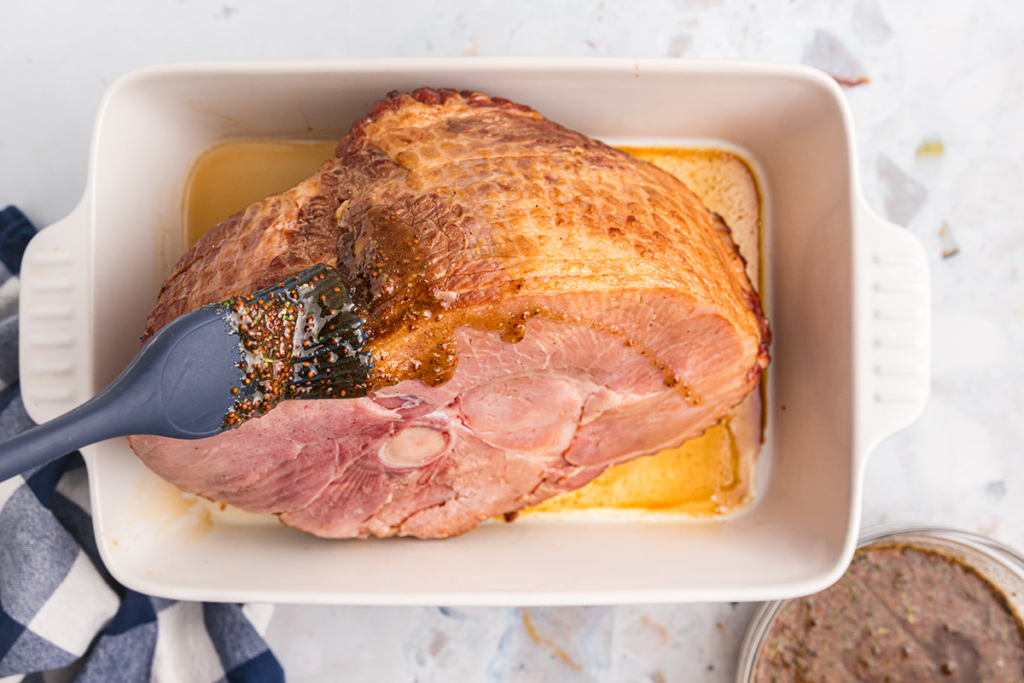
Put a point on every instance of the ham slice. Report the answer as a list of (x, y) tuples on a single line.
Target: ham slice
[(540, 307)]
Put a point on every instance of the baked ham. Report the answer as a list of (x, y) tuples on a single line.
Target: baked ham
[(540, 307)]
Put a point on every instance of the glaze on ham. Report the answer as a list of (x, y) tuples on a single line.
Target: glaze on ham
[(541, 306)]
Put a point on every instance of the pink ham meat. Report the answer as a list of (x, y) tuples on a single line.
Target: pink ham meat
[(540, 307)]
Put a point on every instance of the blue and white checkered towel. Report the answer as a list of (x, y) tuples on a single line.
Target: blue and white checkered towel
[(58, 605)]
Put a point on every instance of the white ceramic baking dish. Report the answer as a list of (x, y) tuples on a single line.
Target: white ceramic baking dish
[(848, 306)]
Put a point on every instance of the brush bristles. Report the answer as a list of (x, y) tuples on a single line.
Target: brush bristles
[(301, 339)]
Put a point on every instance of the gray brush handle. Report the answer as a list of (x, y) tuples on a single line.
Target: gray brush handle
[(179, 385), (104, 417)]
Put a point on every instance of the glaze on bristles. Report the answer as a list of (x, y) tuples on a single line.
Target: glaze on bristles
[(301, 339)]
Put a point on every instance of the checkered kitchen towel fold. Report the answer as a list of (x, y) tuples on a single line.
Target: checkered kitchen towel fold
[(58, 605)]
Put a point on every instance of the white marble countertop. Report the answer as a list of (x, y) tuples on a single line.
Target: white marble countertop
[(940, 71)]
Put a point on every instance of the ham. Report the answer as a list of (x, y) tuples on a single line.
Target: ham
[(540, 307)]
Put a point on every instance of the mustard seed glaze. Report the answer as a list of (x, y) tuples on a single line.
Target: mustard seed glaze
[(394, 260), (899, 614), (301, 339)]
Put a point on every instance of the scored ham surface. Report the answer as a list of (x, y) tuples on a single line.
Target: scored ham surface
[(540, 306)]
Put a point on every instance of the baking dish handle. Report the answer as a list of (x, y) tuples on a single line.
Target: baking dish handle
[(53, 338), (895, 357)]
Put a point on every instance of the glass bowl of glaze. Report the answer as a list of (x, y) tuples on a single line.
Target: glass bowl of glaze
[(988, 561)]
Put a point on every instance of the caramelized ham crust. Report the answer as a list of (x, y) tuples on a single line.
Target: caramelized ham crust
[(541, 306)]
